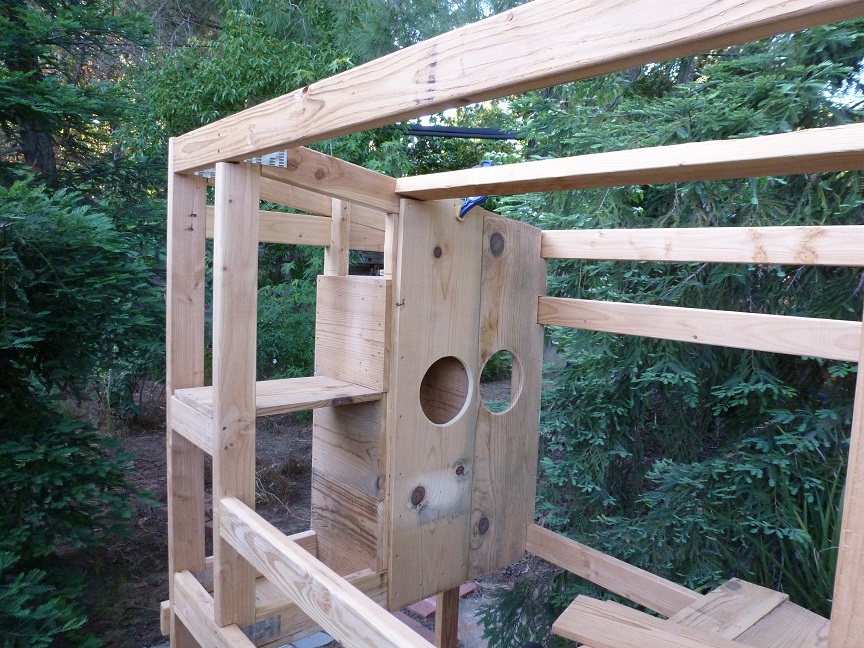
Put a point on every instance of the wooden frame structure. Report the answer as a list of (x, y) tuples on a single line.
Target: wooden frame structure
[(416, 486)]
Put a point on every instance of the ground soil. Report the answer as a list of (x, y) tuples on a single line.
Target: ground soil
[(128, 577)]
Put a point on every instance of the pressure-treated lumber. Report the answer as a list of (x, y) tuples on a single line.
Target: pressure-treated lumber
[(184, 347), (839, 245), (288, 395), (509, 53), (838, 148), (617, 576), (194, 606), (336, 178), (847, 611), (235, 290), (803, 336), (504, 481), (790, 626), (610, 626), (339, 607), (432, 401)]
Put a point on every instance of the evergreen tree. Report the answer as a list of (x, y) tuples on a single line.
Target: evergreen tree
[(698, 463)]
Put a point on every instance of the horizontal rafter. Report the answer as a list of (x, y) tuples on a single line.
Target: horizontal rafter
[(841, 245), (509, 53), (838, 148), (803, 336)]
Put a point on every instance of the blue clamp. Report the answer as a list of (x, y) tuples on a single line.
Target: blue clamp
[(473, 201)]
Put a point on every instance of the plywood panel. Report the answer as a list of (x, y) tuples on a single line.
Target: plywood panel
[(509, 53), (235, 290), (804, 336), (838, 148), (506, 444), (841, 245), (437, 296), (352, 330)]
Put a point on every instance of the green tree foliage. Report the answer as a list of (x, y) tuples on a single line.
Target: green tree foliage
[(59, 67), (74, 303), (696, 462)]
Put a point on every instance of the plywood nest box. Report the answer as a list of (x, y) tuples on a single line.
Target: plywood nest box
[(416, 487)]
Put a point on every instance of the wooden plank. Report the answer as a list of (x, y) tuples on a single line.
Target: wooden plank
[(192, 424), (429, 465), (352, 332), (336, 250), (340, 608), (817, 150), (607, 626), (336, 178), (291, 229), (847, 610), (840, 245), (346, 520), (184, 348), (506, 443), (617, 576), (347, 485), (804, 336), (447, 618), (730, 609), (288, 395), (509, 53), (790, 626), (295, 623), (302, 229), (235, 291), (195, 607)]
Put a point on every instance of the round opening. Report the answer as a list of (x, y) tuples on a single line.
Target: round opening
[(444, 390), (500, 381)]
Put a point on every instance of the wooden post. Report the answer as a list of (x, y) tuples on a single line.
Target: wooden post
[(336, 254), (187, 205), (447, 618), (847, 611), (235, 286)]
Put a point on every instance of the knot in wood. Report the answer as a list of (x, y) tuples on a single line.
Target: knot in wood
[(418, 495)]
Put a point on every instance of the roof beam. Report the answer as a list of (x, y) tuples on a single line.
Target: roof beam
[(816, 150), (544, 43)]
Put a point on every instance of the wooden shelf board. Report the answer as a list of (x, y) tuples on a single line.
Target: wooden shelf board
[(287, 395)]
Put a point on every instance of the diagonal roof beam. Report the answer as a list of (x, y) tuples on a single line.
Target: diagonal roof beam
[(544, 43)]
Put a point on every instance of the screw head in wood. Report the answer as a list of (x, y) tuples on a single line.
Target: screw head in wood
[(418, 495)]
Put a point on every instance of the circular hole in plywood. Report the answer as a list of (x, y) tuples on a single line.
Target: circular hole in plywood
[(500, 381), (444, 390)]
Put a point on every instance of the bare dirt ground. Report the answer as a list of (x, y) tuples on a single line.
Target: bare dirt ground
[(128, 578)]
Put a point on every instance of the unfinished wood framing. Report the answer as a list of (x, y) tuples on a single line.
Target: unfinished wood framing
[(416, 486), (509, 53), (817, 150)]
